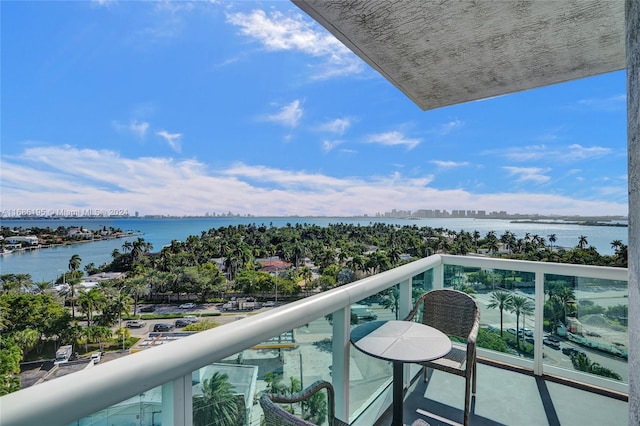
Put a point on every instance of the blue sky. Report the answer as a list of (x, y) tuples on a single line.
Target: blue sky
[(251, 107)]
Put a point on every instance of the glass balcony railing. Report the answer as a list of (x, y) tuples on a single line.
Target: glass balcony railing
[(581, 309)]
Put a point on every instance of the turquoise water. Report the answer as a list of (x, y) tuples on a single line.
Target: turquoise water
[(46, 264)]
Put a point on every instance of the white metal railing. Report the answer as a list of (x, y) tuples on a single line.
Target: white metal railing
[(72, 397)]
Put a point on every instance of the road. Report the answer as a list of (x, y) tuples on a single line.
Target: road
[(553, 357)]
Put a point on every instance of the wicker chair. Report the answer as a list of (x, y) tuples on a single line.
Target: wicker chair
[(276, 416), (456, 314)]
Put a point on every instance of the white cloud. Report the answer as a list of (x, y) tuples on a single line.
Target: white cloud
[(529, 174), (393, 138), (449, 164), (174, 7), (527, 153), (173, 139), (65, 177), (338, 126), (580, 152), (288, 116), (277, 32), (138, 129), (104, 3), (612, 103), (447, 128), (330, 145), (570, 153)]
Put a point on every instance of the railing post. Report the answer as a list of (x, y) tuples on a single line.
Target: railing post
[(340, 364), (404, 298), (177, 402), (539, 323), (404, 306), (438, 276)]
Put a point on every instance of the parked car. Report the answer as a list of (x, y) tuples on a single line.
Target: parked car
[(551, 343), (147, 308), (187, 306), (512, 331), (529, 340), (182, 323), (572, 351), (363, 312), (553, 339), (96, 357), (162, 327), (269, 304), (191, 318), (135, 324)]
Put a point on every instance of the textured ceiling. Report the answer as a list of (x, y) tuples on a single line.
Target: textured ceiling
[(443, 52)]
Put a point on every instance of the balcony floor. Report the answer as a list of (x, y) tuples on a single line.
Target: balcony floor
[(506, 397)]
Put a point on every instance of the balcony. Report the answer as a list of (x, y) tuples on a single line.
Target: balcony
[(308, 340)]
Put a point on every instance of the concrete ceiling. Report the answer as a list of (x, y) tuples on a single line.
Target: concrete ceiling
[(443, 52)]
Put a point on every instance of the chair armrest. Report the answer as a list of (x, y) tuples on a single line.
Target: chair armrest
[(306, 394), (472, 338), (303, 394)]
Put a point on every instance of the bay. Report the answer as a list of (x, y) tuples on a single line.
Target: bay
[(47, 264)]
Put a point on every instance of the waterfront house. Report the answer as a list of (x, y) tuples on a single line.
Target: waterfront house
[(30, 240)]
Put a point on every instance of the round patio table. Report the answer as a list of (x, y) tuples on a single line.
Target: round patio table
[(400, 342)]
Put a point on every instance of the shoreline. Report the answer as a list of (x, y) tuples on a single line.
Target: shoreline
[(67, 243), (580, 223)]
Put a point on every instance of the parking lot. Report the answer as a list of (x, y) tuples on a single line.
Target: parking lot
[(197, 311)]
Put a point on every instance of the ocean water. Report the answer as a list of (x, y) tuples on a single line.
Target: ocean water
[(47, 264)]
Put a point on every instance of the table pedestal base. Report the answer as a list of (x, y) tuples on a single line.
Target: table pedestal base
[(398, 391)]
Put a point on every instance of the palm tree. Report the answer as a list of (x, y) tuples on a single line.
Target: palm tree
[(390, 300), (494, 245), (138, 288), (520, 306), (567, 297), (552, 239), (307, 276), (43, 286), (26, 339), (274, 382), (96, 332), (91, 301), (476, 237), (74, 265), (298, 251), (217, 405), (582, 242), (120, 304), (138, 248), (616, 244), (126, 247), (500, 300), (316, 408)]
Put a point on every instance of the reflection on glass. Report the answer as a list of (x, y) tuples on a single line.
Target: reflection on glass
[(506, 300), (369, 376), (283, 364), (586, 324), (144, 409)]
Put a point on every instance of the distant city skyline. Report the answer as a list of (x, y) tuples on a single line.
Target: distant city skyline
[(182, 108), (394, 213)]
